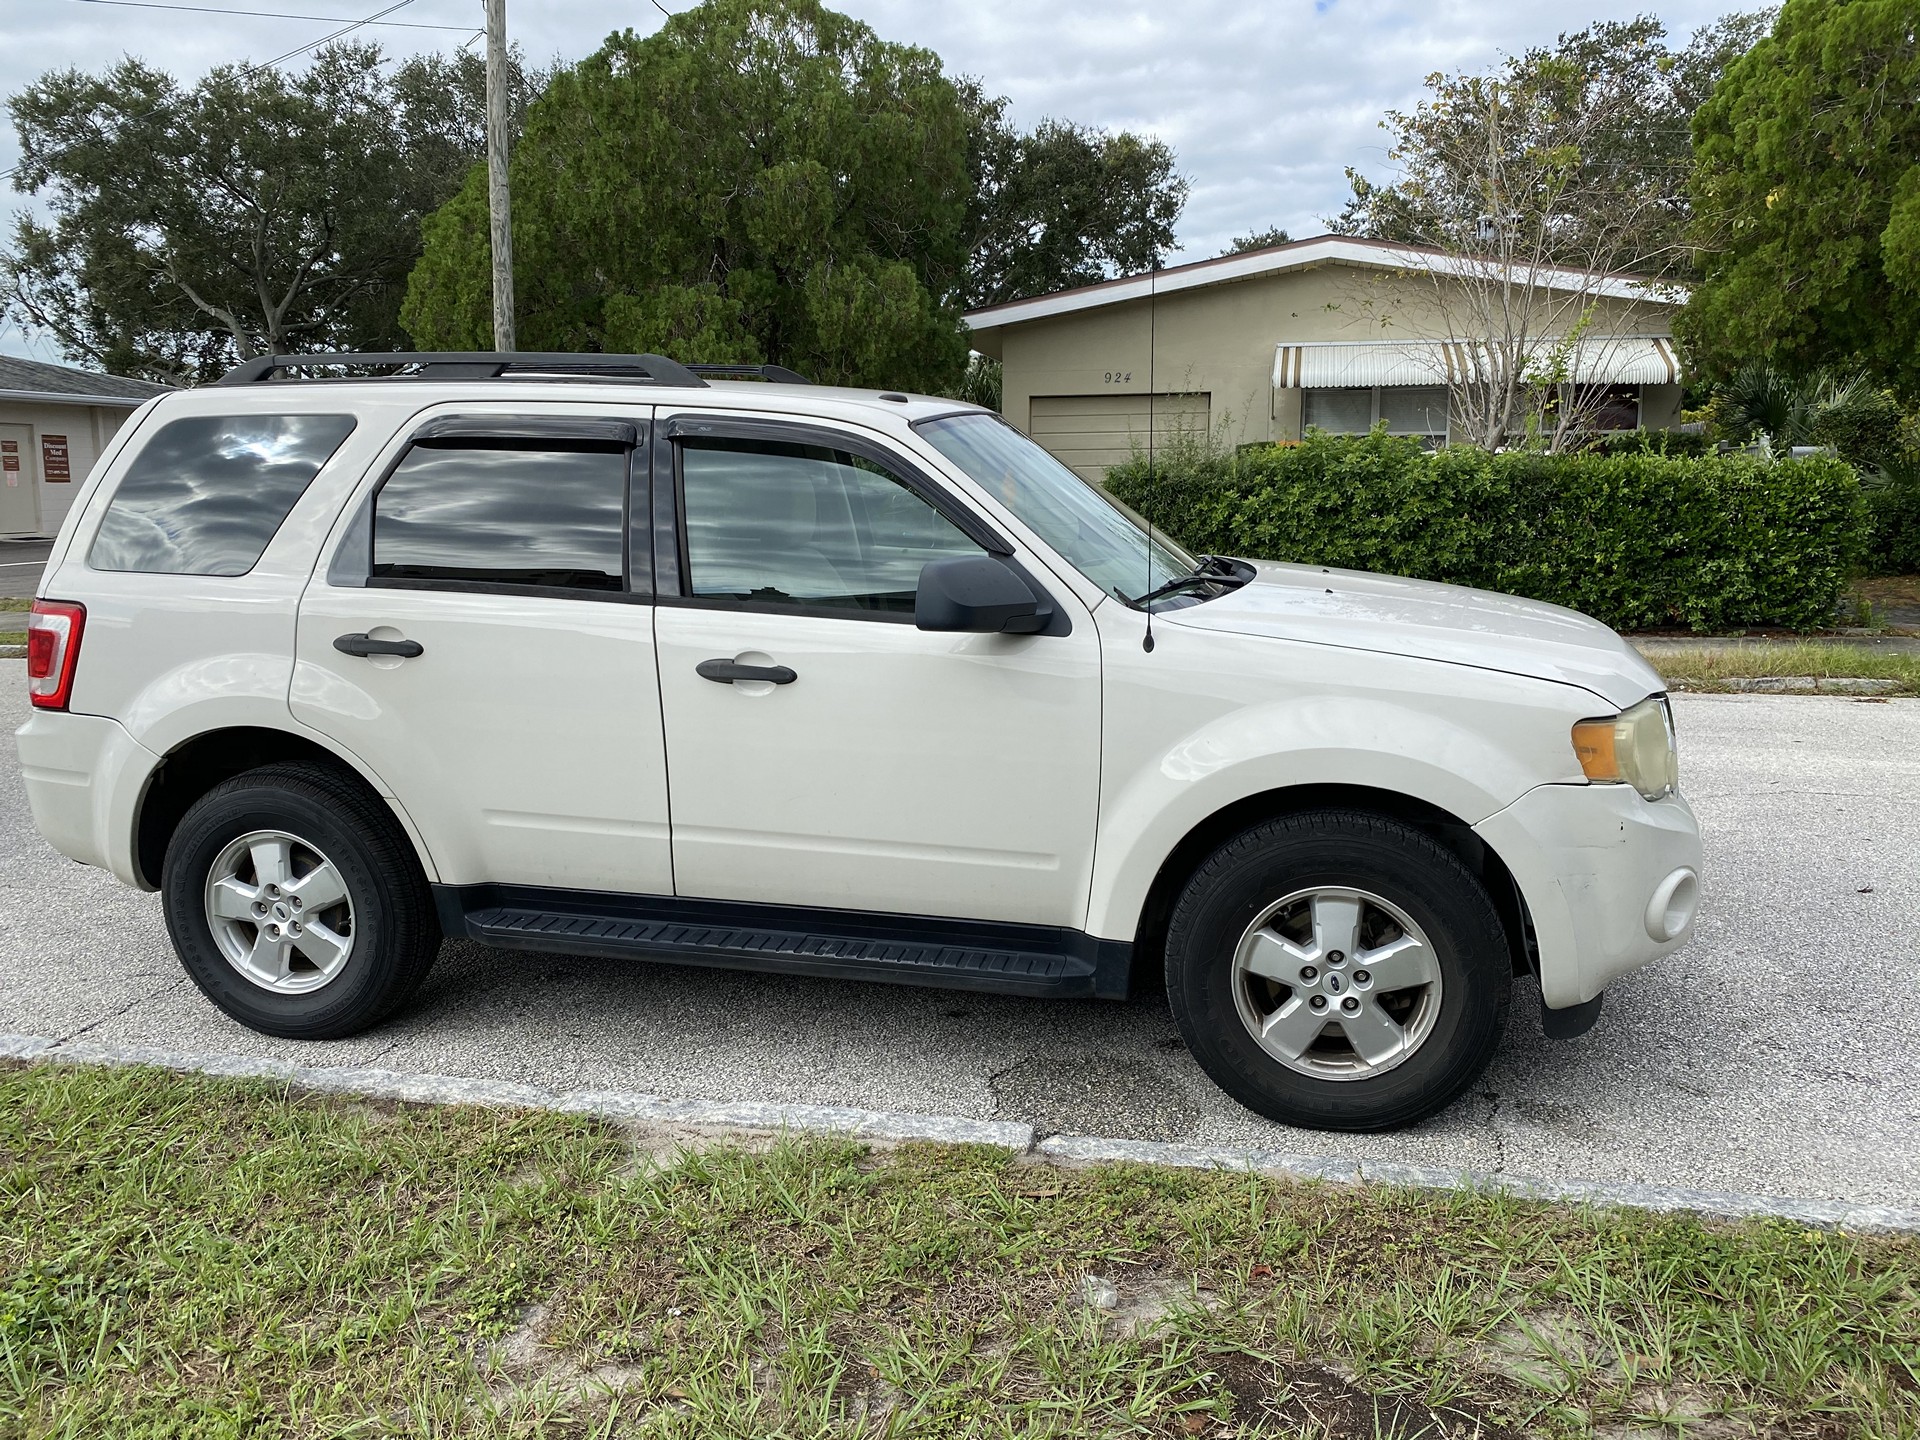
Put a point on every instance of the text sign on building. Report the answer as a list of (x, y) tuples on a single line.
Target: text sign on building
[(53, 459), (10, 460)]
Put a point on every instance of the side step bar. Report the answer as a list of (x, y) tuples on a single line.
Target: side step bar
[(844, 944)]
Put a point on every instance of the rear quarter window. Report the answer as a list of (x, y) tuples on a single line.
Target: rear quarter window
[(206, 493)]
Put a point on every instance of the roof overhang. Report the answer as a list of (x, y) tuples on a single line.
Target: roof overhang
[(1594, 360), (1306, 254), (60, 397)]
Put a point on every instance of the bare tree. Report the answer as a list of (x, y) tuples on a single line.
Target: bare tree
[(1545, 205)]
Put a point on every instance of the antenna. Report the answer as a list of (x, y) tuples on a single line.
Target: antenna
[(1153, 312)]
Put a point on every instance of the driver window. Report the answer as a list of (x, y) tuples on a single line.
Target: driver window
[(775, 524)]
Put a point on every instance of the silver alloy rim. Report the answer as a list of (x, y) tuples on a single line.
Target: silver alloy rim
[(279, 911), (1337, 984)]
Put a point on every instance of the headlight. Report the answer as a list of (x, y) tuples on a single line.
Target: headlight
[(1633, 748)]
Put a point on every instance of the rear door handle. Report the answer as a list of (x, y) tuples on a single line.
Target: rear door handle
[(728, 671), (366, 645)]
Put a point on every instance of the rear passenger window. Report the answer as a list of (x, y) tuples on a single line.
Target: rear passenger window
[(487, 513), (206, 494)]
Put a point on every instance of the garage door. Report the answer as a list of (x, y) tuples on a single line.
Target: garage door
[(1091, 432)]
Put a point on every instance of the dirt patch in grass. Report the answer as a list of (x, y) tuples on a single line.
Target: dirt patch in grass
[(267, 1262)]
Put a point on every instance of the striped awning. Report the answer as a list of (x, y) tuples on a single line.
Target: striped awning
[(1333, 364)]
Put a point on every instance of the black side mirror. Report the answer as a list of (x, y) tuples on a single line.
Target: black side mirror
[(976, 593)]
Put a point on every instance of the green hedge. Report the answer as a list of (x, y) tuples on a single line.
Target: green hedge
[(1640, 541), (1895, 508)]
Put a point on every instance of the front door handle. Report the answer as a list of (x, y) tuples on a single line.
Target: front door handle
[(728, 671), (367, 645)]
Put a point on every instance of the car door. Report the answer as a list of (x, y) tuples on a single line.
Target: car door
[(480, 640), (890, 769)]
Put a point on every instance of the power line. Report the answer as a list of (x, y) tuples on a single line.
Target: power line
[(267, 14), (325, 39)]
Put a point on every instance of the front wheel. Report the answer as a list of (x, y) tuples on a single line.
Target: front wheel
[(1338, 970), (296, 902)]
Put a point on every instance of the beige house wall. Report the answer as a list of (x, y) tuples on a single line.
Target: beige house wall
[(87, 429), (1219, 340)]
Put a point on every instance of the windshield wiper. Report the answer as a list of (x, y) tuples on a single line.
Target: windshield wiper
[(1212, 570)]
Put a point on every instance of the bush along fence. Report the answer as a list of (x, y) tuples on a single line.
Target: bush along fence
[(1640, 540)]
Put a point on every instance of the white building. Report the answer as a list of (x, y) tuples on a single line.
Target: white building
[(54, 422)]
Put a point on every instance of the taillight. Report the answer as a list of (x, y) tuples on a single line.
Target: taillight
[(53, 648)]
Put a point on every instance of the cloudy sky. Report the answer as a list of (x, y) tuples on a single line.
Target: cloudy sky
[(1264, 101)]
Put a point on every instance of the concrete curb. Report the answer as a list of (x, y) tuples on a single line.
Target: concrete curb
[(1009, 1135)]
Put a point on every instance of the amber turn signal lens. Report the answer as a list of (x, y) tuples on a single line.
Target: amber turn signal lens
[(1593, 746)]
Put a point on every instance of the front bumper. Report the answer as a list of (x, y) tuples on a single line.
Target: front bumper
[(84, 775), (1603, 872)]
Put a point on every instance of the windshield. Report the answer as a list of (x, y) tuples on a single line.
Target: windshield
[(1101, 538)]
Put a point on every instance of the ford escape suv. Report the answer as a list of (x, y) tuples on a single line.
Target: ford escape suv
[(601, 655)]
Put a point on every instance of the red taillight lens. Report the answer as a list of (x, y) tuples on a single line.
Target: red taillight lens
[(53, 649)]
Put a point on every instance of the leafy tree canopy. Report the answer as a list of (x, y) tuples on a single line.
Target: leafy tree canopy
[(1807, 197), (253, 212), (758, 181), (1062, 205), (1258, 240), (1581, 145)]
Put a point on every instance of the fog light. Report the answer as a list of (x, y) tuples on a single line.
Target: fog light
[(1670, 910)]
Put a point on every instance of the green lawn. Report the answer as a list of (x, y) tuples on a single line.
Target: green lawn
[(1717, 669), (183, 1256)]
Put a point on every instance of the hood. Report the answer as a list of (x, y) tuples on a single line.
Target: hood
[(1428, 621)]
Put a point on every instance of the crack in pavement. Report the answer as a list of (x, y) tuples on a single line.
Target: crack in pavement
[(98, 1021)]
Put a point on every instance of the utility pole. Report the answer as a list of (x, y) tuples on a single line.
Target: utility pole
[(498, 208)]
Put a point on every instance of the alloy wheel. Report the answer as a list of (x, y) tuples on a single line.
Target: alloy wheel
[(279, 911), (1335, 983)]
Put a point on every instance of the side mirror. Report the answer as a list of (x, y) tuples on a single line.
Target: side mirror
[(975, 593)]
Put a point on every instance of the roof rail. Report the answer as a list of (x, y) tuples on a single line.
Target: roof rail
[(476, 365), (779, 374)]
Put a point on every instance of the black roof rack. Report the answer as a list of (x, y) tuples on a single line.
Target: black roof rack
[(777, 373), (476, 365)]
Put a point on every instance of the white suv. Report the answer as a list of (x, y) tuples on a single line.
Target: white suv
[(589, 654)]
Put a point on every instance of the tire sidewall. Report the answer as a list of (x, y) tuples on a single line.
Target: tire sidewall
[(359, 989), (1360, 853)]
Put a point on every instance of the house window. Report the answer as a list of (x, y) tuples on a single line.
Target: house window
[(1416, 410), (1611, 407)]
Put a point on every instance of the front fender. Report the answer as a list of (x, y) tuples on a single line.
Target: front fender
[(1182, 747)]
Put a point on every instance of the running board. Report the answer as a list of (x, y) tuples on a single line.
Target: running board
[(844, 944)]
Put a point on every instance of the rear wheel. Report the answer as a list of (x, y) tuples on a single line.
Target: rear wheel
[(1338, 970), (297, 904)]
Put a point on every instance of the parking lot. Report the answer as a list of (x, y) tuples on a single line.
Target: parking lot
[(1778, 1054)]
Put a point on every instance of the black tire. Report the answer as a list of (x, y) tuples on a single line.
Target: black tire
[(395, 933), (1342, 850)]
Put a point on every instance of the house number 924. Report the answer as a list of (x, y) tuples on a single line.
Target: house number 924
[(1119, 377)]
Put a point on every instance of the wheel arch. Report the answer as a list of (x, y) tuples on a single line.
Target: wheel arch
[(196, 765), (1217, 828)]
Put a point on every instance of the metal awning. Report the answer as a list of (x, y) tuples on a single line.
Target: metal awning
[(1333, 364)]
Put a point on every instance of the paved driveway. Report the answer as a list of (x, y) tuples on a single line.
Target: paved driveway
[(1780, 1053)]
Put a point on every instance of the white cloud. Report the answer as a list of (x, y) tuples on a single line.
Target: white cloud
[(1265, 101)]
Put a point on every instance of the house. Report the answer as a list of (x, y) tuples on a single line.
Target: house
[(1334, 332), (54, 422)]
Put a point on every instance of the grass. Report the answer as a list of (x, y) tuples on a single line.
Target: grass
[(1719, 668), (184, 1256)]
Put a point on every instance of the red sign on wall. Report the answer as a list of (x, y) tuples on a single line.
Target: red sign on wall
[(10, 461), (54, 465)]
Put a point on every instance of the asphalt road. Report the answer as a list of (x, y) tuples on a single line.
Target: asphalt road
[(1778, 1054)]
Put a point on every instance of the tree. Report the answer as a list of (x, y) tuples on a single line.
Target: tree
[(1607, 110), (1533, 190), (1258, 240), (758, 181), (1062, 205), (255, 212), (1807, 198)]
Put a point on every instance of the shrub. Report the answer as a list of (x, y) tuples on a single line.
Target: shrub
[(1638, 540), (1893, 505)]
